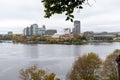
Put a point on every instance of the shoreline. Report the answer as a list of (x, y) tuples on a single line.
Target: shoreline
[(61, 43)]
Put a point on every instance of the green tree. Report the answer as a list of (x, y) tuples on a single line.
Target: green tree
[(77, 39), (86, 68), (62, 6), (33, 73), (110, 67), (84, 38)]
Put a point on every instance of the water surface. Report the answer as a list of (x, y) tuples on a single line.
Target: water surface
[(51, 57)]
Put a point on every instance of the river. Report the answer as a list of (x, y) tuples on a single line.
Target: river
[(51, 57)]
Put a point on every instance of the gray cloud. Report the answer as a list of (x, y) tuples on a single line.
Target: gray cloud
[(22, 9), (103, 15)]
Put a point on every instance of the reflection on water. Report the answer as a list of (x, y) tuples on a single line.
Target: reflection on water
[(31, 51), (77, 51), (54, 58)]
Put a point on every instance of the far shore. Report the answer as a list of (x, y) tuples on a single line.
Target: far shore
[(64, 43)]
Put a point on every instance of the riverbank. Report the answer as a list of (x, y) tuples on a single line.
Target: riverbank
[(97, 41), (67, 43), (63, 43)]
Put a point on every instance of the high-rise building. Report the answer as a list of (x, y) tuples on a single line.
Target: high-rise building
[(41, 31), (10, 33), (34, 30), (26, 31), (76, 29), (44, 27)]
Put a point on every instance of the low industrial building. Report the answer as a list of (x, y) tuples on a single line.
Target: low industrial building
[(50, 32), (103, 37)]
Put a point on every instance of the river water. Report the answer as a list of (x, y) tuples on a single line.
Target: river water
[(51, 57)]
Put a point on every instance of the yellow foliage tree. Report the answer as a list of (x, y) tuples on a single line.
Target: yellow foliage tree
[(86, 68), (33, 73), (110, 66)]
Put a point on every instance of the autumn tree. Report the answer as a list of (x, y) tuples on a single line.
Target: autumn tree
[(33, 73), (62, 6), (86, 67), (110, 66)]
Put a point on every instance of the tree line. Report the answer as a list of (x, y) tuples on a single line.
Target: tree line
[(86, 67), (77, 39)]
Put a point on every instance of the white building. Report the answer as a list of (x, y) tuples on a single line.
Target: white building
[(56, 35), (67, 31)]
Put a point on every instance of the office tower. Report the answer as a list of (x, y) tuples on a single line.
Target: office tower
[(41, 31), (33, 29), (26, 31), (76, 29), (44, 27), (10, 33)]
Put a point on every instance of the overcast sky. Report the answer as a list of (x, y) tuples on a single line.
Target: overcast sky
[(102, 15)]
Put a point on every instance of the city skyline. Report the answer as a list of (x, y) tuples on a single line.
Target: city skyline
[(60, 31), (100, 16)]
